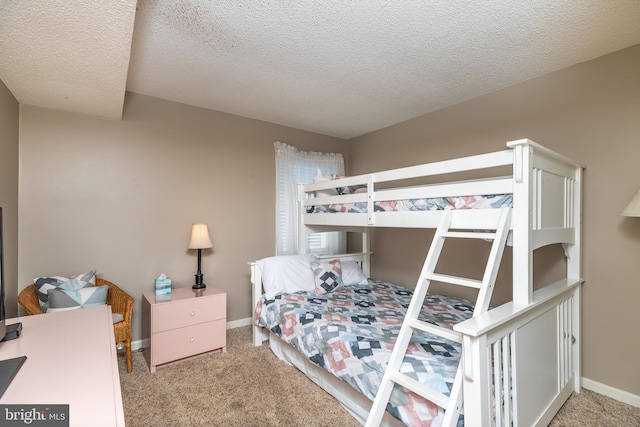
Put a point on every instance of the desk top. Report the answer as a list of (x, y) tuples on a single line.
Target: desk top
[(71, 359)]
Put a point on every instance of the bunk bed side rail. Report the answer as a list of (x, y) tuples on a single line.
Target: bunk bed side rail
[(463, 218), (454, 189), (461, 164), (495, 185), (498, 185), (491, 185)]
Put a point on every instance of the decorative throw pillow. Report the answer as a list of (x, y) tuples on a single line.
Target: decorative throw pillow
[(355, 189), (43, 284), (72, 299), (318, 177), (340, 190), (328, 275)]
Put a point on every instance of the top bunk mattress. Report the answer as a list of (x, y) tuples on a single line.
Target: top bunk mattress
[(493, 201)]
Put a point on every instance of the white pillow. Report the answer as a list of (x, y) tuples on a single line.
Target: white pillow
[(352, 274), (318, 177), (287, 273)]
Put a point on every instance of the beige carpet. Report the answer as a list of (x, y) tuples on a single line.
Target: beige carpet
[(249, 386)]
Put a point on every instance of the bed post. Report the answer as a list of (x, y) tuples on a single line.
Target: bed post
[(574, 252), (259, 334), (522, 236), (366, 249), (475, 360), (303, 237), (574, 270)]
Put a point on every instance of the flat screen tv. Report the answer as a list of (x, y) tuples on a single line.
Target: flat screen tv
[(9, 367), (3, 327), (12, 331)]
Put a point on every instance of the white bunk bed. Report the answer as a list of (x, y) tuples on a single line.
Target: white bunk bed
[(521, 360)]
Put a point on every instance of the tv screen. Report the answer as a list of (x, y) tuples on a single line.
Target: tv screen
[(8, 367)]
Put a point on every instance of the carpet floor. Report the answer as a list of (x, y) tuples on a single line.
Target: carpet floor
[(248, 386)]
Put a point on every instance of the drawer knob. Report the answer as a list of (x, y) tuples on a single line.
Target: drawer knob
[(192, 339), (193, 313)]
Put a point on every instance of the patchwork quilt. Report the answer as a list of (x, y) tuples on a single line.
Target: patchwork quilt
[(351, 332), (429, 204)]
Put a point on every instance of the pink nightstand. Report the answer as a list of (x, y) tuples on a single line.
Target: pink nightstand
[(185, 326)]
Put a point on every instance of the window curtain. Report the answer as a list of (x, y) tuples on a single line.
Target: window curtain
[(293, 167)]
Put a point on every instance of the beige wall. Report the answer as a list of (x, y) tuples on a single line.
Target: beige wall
[(9, 121), (589, 112), (120, 196)]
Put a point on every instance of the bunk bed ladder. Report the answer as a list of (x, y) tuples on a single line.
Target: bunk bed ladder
[(452, 404)]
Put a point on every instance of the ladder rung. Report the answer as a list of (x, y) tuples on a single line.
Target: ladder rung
[(470, 234), (472, 283), (436, 330), (423, 390)]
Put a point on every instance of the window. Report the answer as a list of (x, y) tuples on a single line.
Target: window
[(293, 167)]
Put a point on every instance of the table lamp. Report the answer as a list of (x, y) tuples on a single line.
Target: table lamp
[(633, 208), (199, 240)]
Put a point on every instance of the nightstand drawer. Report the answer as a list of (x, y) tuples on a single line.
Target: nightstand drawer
[(192, 340), (189, 312)]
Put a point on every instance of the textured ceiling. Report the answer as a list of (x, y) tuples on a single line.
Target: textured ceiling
[(341, 68), (70, 55)]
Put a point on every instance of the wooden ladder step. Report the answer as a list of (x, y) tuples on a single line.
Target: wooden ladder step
[(454, 280), (435, 330), (425, 391), (485, 235)]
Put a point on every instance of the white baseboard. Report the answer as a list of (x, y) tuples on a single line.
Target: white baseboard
[(138, 344), (614, 393), (239, 323)]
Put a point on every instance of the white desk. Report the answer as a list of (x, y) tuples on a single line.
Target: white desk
[(71, 359)]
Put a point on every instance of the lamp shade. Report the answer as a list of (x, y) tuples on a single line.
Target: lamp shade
[(633, 208), (200, 237)]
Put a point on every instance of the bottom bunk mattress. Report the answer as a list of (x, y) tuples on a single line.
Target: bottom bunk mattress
[(351, 331)]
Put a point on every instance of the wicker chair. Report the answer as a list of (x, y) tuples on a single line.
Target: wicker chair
[(118, 299)]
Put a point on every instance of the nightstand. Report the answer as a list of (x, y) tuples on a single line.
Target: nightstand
[(186, 326)]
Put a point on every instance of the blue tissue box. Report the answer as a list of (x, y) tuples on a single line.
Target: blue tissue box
[(163, 287)]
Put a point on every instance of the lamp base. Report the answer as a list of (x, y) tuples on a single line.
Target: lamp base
[(199, 284)]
